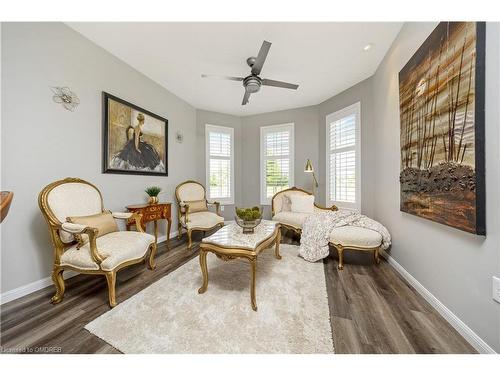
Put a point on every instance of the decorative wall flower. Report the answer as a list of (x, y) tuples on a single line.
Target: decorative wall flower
[(66, 97), (179, 136)]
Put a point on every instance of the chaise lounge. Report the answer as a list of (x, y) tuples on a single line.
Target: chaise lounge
[(281, 206)]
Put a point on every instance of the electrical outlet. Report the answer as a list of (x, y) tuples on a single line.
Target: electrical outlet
[(222, 208), (496, 289)]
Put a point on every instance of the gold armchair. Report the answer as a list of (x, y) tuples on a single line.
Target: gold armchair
[(192, 209), (281, 211), (99, 255)]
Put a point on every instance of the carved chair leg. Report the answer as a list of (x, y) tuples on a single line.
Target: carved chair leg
[(57, 278), (190, 242), (152, 264), (111, 279), (179, 231), (340, 251)]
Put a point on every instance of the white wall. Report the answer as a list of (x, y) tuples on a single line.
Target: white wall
[(310, 142), (42, 142), (453, 265)]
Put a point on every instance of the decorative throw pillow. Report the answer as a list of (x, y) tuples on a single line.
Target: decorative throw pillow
[(286, 204), (197, 206), (303, 204), (104, 222)]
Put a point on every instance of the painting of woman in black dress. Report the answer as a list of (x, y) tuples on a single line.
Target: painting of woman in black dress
[(135, 139)]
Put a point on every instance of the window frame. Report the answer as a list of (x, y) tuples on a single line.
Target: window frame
[(219, 129), (353, 109), (263, 131)]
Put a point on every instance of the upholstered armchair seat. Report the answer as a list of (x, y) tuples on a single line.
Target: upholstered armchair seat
[(116, 248), (202, 220)]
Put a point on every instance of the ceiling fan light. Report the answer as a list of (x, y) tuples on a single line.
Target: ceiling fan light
[(252, 87)]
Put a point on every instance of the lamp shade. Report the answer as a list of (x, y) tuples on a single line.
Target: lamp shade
[(309, 167)]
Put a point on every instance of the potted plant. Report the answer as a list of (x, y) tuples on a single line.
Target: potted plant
[(153, 192), (248, 218)]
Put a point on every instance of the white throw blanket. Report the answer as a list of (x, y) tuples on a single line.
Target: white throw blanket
[(317, 227)]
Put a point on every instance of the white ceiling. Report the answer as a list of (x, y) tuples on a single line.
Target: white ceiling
[(322, 58)]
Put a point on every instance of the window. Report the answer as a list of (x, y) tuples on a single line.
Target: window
[(276, 161), (343, 158), (220, 163)]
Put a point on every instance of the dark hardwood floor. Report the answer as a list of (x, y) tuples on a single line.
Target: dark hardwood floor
[(372, 309)]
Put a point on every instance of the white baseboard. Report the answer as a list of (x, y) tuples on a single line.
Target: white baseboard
[(467, 333), (24, 290)]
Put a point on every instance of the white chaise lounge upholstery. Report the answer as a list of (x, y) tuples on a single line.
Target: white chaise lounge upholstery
[(281, 209), (355, 238), (350, 236)]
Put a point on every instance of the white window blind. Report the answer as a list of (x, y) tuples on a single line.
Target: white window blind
[(343, 157), (220, 163), (276, 160)]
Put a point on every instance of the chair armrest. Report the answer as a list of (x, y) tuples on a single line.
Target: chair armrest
[(73, 228), (89, 231), (122, 215), (332, 208), (217, 206), (130, 216)]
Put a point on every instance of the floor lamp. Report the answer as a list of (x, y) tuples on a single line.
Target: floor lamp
[(309, 169)]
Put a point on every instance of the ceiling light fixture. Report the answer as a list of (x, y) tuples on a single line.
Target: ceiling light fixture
[(367, 47)]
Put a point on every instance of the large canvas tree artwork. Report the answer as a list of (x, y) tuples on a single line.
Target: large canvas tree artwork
[(441, 96)]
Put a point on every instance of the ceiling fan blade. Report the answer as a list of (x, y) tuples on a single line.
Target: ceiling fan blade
[(284, 85), (261, 57), (245, 98), (222, 77)]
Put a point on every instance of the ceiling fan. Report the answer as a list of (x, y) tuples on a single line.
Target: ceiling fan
[(253, 82)]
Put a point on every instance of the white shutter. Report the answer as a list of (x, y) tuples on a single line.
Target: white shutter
[(276, 160), (343, 157), (220, 174)]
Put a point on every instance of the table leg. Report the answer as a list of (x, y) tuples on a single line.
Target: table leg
[(253, 265), (278, 240), (156, 230), (204, 271), (169, 225)]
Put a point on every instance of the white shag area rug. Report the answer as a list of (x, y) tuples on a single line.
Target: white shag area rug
[(170, 316)]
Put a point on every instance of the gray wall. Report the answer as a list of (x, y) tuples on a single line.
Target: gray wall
[(42, 142), (362, 92), (220, 119), (310, 142), (454, 266), (306, 147)]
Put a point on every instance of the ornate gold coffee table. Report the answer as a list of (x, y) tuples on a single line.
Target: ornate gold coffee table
[(229, 243)]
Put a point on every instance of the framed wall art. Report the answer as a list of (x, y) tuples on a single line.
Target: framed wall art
[(441, 97), (135, 141)]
